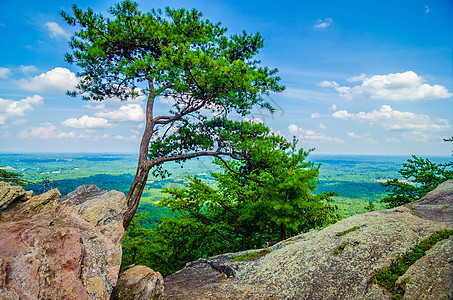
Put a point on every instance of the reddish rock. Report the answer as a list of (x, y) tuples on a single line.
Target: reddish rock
[(49, 251)]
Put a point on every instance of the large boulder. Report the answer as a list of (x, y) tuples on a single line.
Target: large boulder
[(60, 249), (327, 265), (137, 283)]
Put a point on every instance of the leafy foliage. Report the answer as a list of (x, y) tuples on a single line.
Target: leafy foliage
[(268, 196), (136, 241), (206, 75), (421, 176), (9, 176)]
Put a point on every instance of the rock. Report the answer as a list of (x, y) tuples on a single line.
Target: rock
[(138, 282), (431, 277), (437, 205), (10, 193), (51, 251), (307, 266)]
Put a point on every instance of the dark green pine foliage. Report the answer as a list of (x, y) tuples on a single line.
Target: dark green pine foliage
[(269, 196), (209, 77), (11, 177), (421, 176)]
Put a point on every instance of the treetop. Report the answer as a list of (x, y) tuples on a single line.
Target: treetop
[(177, 52)]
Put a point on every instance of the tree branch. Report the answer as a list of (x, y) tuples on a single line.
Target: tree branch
[(237, 173), (24, 180)]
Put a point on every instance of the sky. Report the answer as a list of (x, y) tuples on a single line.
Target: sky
[(361, 77)]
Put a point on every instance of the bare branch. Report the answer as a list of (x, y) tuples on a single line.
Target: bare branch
[(24, 180)]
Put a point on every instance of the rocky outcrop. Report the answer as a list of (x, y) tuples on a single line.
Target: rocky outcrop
[(53, 248), (137, 283), (327, 265)]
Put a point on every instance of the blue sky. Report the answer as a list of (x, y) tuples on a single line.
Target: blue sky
[(362, 77)]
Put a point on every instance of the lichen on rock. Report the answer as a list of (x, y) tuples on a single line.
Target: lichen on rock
[(306, 266)]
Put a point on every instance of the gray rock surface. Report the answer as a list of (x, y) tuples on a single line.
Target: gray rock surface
[(54, 251), (437, 205), (137, 283), (307, 267)]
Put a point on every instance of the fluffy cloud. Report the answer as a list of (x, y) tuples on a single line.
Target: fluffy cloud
[(393, 86), (86, 122), (128, 112), (310, 135), (362, 137), (11, 108), (45, 131), (56, 31), (395, 120), (58, 80), (4, 72), (322, 24)]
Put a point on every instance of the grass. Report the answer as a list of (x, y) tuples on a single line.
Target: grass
[(348, 231), (340, 248), (248, 255), (389, 276)]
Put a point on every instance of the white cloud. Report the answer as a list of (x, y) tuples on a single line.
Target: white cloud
[(19, 121), (310, 135), (58, 80), (96, 106), (322, 126), (167, 100), (11, 108), (5, 134), (395, 120), (89, 134), (128, 112), (315, 115), (322, 24), (28, 69), (45, 131), (393, 140), (128, 138), (333, 107), (254, 120), (362, 137), (393, 86), (360, 77), (134, 131), (4, 72), (56, 31), (420, 137), (86, 122)]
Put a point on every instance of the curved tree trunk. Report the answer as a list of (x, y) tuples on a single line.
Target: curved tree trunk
[(139, 183), (135, 193)]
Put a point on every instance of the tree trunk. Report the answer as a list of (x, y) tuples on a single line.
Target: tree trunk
[(135, 193), (139, 183)]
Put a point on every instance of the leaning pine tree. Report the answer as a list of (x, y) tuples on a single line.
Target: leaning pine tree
[(207, 74)]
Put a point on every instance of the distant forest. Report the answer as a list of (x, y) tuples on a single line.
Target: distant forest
[(355, 178)]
